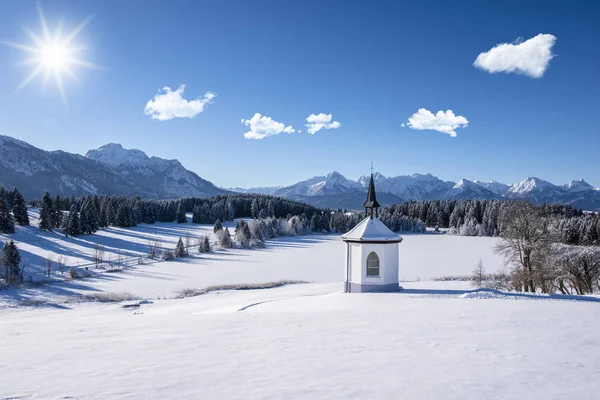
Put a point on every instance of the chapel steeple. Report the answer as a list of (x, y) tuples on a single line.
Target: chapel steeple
[(371, 205)]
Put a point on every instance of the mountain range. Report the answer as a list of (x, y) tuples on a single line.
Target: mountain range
[(112, 169), (336, 191)]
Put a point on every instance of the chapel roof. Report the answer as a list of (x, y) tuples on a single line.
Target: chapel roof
[(371, 229)]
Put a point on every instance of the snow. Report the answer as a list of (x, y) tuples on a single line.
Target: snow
[(313, 258), (578, 186), (435, 339), (304, 341), (529, 185), (494, 187), (371, 229)]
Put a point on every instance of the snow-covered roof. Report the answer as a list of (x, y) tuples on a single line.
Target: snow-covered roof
[(371, 230)]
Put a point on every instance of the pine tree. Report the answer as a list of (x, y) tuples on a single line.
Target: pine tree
[(20, 209), (218, 226), (181, 218), (10, 260), (225, 239), (72, 224), (7, 223), (46, 210), (180, 249), (254, 209), (57, 215), (206, 245)]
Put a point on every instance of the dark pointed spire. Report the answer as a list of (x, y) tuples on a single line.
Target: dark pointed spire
[(372, 202)]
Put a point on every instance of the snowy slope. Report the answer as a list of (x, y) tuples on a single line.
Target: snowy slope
[(305, 342)]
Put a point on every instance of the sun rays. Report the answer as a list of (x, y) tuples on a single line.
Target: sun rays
[(54, 55)]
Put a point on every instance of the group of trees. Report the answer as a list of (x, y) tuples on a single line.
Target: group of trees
[(533, 243), (470, 217), (13, 209)]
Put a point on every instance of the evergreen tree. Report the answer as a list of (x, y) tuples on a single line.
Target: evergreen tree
[(7, 223), (57, 212), (180, 249), (254, 210), (72, 224), (10, 260), (46, 211), (20, 209), (181, 218), (218, 226), (225, 239)]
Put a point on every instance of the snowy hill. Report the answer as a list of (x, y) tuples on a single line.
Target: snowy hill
[(107, 170)]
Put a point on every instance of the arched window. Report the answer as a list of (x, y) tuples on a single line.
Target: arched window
[(372, 264)]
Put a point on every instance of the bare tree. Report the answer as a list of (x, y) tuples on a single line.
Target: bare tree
[(48, 264), (479, 277), (61, 262), (154, 248), (576, 269), (98, 255), (525, 244)]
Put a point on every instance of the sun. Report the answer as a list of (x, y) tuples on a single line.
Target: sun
[(52, 54)]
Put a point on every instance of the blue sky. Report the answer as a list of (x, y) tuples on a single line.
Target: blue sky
[(371, 65)]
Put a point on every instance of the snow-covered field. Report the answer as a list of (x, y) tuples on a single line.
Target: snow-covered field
[(313, 258), (436, 340)]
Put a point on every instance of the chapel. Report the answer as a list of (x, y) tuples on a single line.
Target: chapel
[(372, 252)]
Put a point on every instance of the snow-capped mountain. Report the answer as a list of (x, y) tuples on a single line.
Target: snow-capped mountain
[(167, 178), (465, 189), (414, 187), (578, 186), (108, 170), (494, 187), (334, 190), (256, 190), (333, 183)]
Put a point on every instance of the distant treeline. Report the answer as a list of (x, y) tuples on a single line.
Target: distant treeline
[(468, 217)]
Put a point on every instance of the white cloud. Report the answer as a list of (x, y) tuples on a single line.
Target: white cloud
[(444, 122), (320, 121), (530, 57), (169, 104), (262, 126)]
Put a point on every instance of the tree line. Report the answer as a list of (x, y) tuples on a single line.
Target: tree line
[(469, 217)]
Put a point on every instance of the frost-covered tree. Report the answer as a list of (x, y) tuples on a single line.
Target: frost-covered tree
[(224, 239), (204, 244), (479, 277), (218, 226), (525, 243)]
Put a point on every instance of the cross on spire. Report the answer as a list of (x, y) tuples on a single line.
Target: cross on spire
[(371, 167)]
